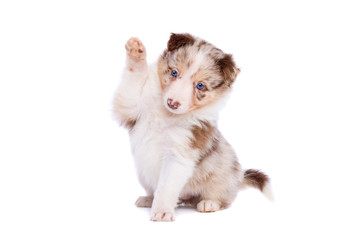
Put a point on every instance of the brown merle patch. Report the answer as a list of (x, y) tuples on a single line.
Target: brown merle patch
[(228, 68), (202, 136), (177, 41), (130, 124), (256, 178), (210, 151), (201, 44)]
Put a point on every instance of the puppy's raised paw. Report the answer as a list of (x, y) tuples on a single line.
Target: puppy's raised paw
[(135, 49), (162, 216), (208, 206)]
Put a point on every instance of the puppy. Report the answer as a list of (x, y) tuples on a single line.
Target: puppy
[(171, 110)]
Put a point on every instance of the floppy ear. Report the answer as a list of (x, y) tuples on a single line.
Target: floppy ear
[(228, 68), (177, 41)]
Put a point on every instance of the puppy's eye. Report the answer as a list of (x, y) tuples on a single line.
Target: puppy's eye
[(200, 86), (174, 73)]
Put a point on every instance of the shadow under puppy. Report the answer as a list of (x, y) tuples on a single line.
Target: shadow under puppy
[(171, 110)]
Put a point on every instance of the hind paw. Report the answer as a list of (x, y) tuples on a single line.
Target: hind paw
[(208, 206), (145, 202)]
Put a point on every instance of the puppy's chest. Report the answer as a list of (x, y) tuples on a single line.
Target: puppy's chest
[(157, 135), (158, 130)]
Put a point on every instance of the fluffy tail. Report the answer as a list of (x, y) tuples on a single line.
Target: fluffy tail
[(257, 179)]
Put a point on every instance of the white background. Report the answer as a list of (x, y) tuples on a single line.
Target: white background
[(66, 170)]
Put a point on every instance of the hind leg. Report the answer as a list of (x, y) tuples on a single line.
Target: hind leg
[(217, 196)]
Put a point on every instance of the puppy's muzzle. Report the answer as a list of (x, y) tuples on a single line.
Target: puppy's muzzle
[(173, 104)]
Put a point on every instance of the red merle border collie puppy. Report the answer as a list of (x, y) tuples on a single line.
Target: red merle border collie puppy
[(171, 110)]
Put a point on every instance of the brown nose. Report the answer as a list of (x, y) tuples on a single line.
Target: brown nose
[(173, 104)]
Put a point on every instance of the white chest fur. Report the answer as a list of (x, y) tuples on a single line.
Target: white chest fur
[(157, 138)]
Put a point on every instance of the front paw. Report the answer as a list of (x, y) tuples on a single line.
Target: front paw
[(162, 216), (135, 49)]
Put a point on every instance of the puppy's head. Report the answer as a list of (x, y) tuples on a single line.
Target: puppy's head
[(193, 73)]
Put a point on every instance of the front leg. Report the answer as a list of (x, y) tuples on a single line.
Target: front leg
[(128, 98), (174, 175)]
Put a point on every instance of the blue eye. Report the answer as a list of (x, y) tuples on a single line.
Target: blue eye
[(174, 73), (200, 86)]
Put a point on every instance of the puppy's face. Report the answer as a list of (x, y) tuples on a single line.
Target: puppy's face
[(193, 73)]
